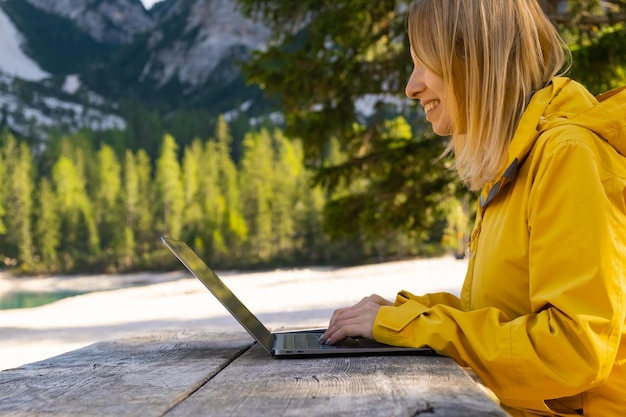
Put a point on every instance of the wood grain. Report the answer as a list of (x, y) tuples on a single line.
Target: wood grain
[(141, 376), (197, 373), (257, 385)]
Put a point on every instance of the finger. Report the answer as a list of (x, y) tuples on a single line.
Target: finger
[(339, 316), (355, 322), (336, 323), (372, 303), (349, 330), (341, 313)]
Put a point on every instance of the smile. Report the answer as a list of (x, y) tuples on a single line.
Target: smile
[(428, 107)]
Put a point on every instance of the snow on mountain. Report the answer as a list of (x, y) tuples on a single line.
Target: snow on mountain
[(191, 43), (149, 3), (41, 112), (71, 84), (14, 61)]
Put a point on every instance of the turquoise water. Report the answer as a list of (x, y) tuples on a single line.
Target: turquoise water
[(28, 299)]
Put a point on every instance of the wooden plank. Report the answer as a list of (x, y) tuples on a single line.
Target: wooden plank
[(142, 376), (257, 385)]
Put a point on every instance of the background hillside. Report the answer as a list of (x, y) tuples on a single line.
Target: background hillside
[(113, 61)]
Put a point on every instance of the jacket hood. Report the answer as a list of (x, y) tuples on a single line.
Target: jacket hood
[(564, 101)]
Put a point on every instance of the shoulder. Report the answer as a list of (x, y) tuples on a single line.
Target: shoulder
[(566, 138), (571, 151)]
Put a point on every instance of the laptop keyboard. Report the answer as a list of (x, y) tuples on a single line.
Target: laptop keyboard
[(302, 341)]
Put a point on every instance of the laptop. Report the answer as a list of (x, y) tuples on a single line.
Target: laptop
[(286, 344)]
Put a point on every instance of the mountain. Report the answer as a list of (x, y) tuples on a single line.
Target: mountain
[(68, 63)]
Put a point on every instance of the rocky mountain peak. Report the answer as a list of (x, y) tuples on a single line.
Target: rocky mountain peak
[(214, 30), (180, 54)]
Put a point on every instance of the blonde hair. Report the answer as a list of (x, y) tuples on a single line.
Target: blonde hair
[(492, 56)]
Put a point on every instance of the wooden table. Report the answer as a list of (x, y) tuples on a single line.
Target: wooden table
[(198, 373)]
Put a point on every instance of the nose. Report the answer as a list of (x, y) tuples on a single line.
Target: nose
[(415, 85)]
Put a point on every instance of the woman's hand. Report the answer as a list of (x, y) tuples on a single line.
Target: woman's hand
[(357, 320)]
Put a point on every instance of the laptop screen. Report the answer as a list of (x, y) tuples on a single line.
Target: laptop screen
[(214, 284)]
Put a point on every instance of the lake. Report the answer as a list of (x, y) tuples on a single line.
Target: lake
[(29, 299), (29, 292)]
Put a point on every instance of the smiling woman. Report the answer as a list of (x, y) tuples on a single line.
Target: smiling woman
[(543, 327)]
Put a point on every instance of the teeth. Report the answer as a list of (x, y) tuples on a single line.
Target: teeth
[(430, 106)]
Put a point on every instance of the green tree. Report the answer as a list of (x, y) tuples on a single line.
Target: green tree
[(314, 246), (234, 227), (357, 54), (596, 33), (108, 206), (193, 212), (19, 201), (139, 207), (131, 200), (189, 124), (170, 189), (288, 173), (327, 59), (213, 206), (3, 186), (47, 227), (79, 232), (145, 127), (298, 205), (257, 191)]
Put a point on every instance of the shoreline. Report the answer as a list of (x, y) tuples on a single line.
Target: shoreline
[(86, 283)]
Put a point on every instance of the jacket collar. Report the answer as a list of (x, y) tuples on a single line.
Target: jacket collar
[(525, 136)]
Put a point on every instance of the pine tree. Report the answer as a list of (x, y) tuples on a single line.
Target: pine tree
[(19, 203), (315, 245), (3, 186), (79, 232), (170, 189), (257, 176), (108, 206), (351, 52), (214, 207), (130, 199), (235, 229), (288, 170), (140, 236), (193, 210), (298, 204), (47, 227)]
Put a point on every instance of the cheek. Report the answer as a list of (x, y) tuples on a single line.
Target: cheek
[(446, 124)]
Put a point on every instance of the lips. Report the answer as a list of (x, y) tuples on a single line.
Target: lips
[(431, 105)]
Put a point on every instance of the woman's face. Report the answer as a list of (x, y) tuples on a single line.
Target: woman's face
[(429, 89)]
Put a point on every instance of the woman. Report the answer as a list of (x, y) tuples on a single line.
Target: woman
[(541, 316)]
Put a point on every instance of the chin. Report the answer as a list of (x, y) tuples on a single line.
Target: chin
[(442, 132)]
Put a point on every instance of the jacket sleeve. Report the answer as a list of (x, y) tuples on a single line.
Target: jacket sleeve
[(568, 341), (429, 300)]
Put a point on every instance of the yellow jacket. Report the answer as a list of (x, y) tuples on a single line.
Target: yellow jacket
[(541, 316)]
